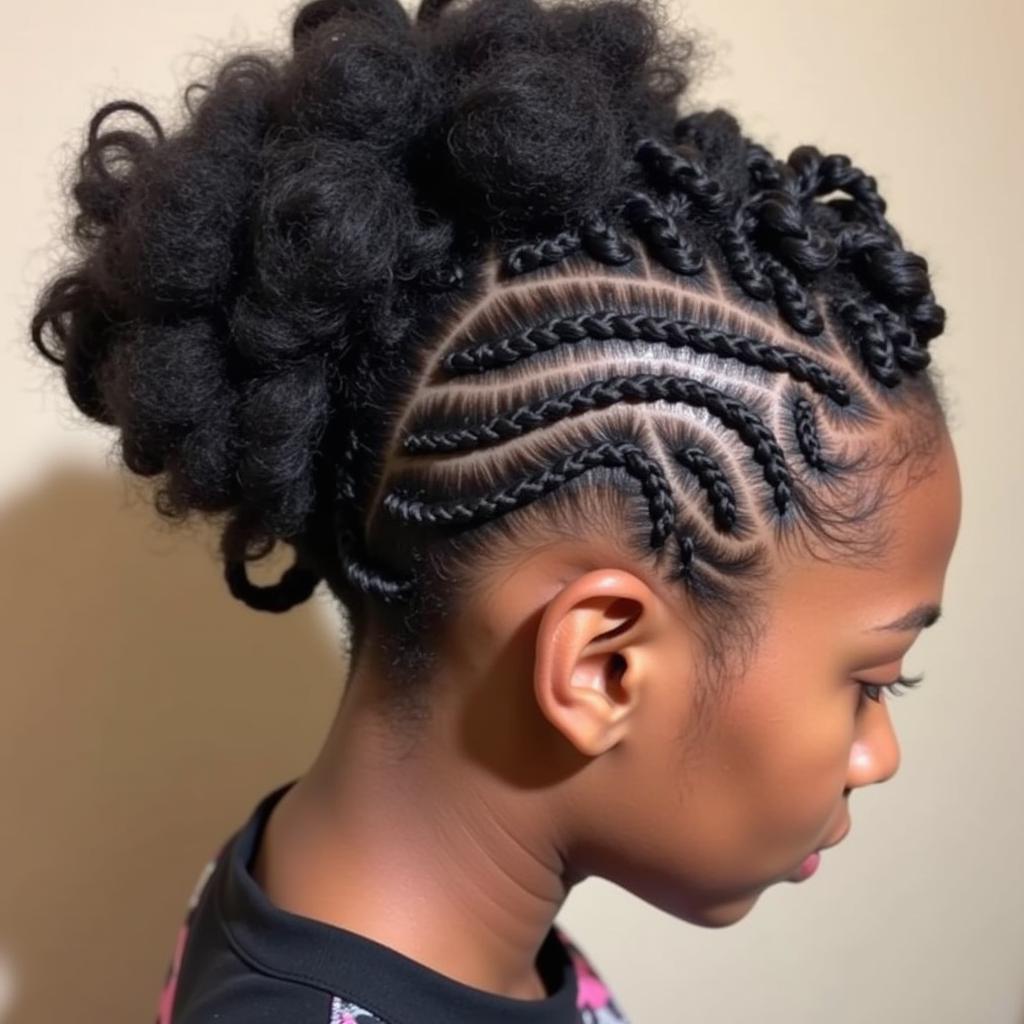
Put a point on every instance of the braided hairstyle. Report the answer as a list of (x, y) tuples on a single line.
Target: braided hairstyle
[(422, 290)]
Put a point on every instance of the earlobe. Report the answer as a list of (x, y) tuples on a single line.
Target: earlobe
[(590, 657)]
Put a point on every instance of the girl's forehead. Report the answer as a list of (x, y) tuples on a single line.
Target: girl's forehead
[(925, 517), (921, 527)]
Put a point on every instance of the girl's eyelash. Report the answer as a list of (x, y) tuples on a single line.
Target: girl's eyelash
[(874, 690)]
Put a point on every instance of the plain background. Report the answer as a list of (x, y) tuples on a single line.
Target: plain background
[(144, 711)]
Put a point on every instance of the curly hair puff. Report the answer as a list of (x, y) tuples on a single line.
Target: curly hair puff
[(287, 304)]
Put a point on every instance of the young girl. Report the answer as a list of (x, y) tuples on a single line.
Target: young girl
[(613, 434)]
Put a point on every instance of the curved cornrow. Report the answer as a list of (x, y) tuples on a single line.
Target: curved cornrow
[(710, 476), (806, 430), (625, 455), (601, 394), (608, 325)]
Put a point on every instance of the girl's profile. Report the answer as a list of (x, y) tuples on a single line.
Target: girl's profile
[(614, 434)]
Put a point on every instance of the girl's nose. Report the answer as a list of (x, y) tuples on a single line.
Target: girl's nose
[(875, 754)]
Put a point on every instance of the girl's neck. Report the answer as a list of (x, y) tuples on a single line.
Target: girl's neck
[(430, 857)]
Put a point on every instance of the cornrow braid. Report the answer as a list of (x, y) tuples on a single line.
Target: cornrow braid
[(643, 387), (605, 325), (807, 433), (626, 455), (714, 481)]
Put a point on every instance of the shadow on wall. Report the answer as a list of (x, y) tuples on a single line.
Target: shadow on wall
[(144, 712)]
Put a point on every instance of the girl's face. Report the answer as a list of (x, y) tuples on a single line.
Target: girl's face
[(698, 822)]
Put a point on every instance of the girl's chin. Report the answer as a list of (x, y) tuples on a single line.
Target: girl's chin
[(720, 910), (729, 912)]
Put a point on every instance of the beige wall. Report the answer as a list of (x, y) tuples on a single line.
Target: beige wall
[(143, 710)]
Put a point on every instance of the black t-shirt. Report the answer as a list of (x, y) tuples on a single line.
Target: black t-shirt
[(239, 959)]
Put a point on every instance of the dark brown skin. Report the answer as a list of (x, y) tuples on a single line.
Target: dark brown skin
[(563, 744)]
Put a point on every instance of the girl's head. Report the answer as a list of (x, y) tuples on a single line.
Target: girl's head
[(613, 432)]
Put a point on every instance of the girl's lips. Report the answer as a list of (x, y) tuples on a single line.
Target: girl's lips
[(810, 864), (807, 867)]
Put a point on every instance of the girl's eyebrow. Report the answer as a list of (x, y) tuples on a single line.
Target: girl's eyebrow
[(921, 617)]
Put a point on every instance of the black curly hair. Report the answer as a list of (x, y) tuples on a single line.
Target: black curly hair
[(424, 290)]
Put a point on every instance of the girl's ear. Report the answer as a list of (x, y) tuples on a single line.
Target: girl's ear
[(597, 656)]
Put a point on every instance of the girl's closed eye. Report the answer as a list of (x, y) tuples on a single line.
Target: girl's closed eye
[(873, 691)]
